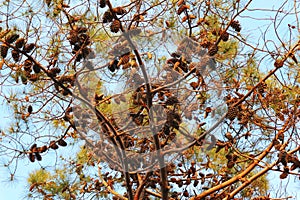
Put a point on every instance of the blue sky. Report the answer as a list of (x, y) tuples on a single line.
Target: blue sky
[(18, 188)]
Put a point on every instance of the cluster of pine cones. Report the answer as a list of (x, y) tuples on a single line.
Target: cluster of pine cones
[(108, 17), (79, 39), (20, 45), (236, 25)]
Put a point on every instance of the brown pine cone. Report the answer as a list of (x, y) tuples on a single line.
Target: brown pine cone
[(3, 50), (33, 77), (62, 143), (232, 113), (36, 69), (86, 52), (15, 55), (73, 37), (124, 59), (31, 157), (182, 8), (119, 10), (12, 38), (53, 145), (172, 100), (38, 156), (278, 63), (29, 47), (81, 29), (20, 43), (213, 49), (102, 3), (236, 25), (224, 36), (115, 26), (107, 17)]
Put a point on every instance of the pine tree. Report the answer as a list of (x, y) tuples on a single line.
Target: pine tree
[(144, 100)]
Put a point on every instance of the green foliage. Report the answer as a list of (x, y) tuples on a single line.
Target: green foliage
[(39, 176)]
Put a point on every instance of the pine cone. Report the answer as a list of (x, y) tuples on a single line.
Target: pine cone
[(224, 36), (36, 69), (205, 44), (85, 52), (53, 72), (53, 145), (124, 59), (213, 49), (81, 30), (29, 47), (119, 10), (78, 57), (33, 77), (84, 39), (20, 43), (194, 85), (24, 79), (113, 65), (232, 113), (102, 3), (175, 55), (278, 63), (27, 65), (115, 26), (172, 100), (73, 37), (43, 149), (38, 156), (173, 119), (3, 50), (62, 143), (76, 48), (184, 67), (31, 157), (29, 110), (182, 8), (15, 55), (283, 175), (236, 25), (12, 38), (107, 17), (262, 88), (28, 69)]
